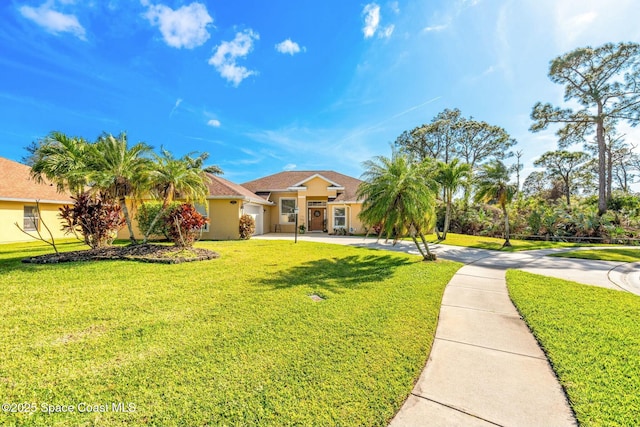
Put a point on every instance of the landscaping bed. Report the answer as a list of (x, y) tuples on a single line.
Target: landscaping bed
[(145, 253)]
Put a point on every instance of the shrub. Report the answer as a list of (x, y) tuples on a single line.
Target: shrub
[(184, 223), (247, 226), (94, 217), (147, 212)]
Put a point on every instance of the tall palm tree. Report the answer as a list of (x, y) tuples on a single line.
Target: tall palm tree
[(184, 177), (120, 171), (451, 176), (399, 195), (62, 160), (492, 184)]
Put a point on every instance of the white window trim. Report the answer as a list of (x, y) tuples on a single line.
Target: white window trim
[(280, 209), (339, 216)]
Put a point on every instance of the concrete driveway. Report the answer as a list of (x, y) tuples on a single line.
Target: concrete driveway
[(607, 274)]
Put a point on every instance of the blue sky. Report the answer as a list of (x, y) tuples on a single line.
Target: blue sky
[(266, 86)]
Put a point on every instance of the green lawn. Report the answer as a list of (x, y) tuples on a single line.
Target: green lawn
[(592, 338), (621, 254), (494, 243), (232, 341)]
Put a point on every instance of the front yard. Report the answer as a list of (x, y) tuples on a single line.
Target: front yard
[(591, 336), (233, 341)]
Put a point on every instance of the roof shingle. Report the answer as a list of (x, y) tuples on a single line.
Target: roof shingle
[(16, 184), (220, 187), (283, 180)]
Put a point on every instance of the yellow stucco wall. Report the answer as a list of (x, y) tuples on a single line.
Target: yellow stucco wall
[(224, 220), (12, 212), (275, 212), (353, 224)]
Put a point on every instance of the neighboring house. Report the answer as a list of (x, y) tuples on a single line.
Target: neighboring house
[(326, 201), (18, 195)]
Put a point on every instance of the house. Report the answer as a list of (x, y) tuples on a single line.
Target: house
[(18, 195), (325, 200)]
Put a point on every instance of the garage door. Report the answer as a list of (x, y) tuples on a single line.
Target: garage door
[(258, 216)]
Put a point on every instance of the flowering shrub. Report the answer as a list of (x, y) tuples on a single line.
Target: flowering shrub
[(184, 224), (247, 227), (94, 217)]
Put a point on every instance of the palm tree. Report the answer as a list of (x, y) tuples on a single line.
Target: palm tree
[(184, 177), (451, 176), (120, 171), (398, 195), (61, 160), (492, 184)]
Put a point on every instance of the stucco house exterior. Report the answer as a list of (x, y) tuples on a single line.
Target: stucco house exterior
[(18, 195), (326, 201)]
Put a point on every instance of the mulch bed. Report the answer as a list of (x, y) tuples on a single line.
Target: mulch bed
[(145, 253)]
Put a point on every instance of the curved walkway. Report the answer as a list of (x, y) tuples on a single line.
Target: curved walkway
[(485, 367)]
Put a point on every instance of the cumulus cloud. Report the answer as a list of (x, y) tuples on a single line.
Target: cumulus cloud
[(289, 47), (371, 14), (53, 21), (372, 18), (228, 52), (214, 123), (184, 27)]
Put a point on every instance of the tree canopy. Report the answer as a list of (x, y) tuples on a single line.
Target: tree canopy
[(605, 82)]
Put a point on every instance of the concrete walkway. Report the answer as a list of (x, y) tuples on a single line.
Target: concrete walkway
[(485, 366)]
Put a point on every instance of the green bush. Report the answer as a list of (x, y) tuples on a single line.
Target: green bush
[(147, 212)]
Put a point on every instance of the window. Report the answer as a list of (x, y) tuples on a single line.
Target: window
[(202, 210), (339, 217), (315, 204), (31, 222), (287, 211)]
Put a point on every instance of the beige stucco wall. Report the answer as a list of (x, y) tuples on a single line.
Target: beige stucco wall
[(224, 220), (353, 224), (274, 211), (12, 212)]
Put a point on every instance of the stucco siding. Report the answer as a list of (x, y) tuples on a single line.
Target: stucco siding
[(12, 212)]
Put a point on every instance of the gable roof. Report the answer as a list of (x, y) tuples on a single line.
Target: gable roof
[(220, 188), (16, 185), (282, 181)]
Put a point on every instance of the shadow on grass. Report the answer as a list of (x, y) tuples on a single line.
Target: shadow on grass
[(337, 274)]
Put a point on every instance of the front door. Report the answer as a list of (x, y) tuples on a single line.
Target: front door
[(316, 219)]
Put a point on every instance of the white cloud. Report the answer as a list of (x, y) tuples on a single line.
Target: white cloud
[(395, 7), (371, 14), (387, 31), (53, 21), (184, 27), (289, 47), (289, 167), (372, 18), (227, 52), (435, 28), (214, 123), (175, 107)]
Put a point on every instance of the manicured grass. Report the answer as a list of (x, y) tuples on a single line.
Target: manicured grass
[(592, 337), (621, 254), (494, 243), (232, 341)]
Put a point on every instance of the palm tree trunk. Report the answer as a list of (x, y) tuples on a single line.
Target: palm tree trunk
[(424, 256), (127, 218), (506, 227), (153, 224), (447, 218), (431, 256)]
